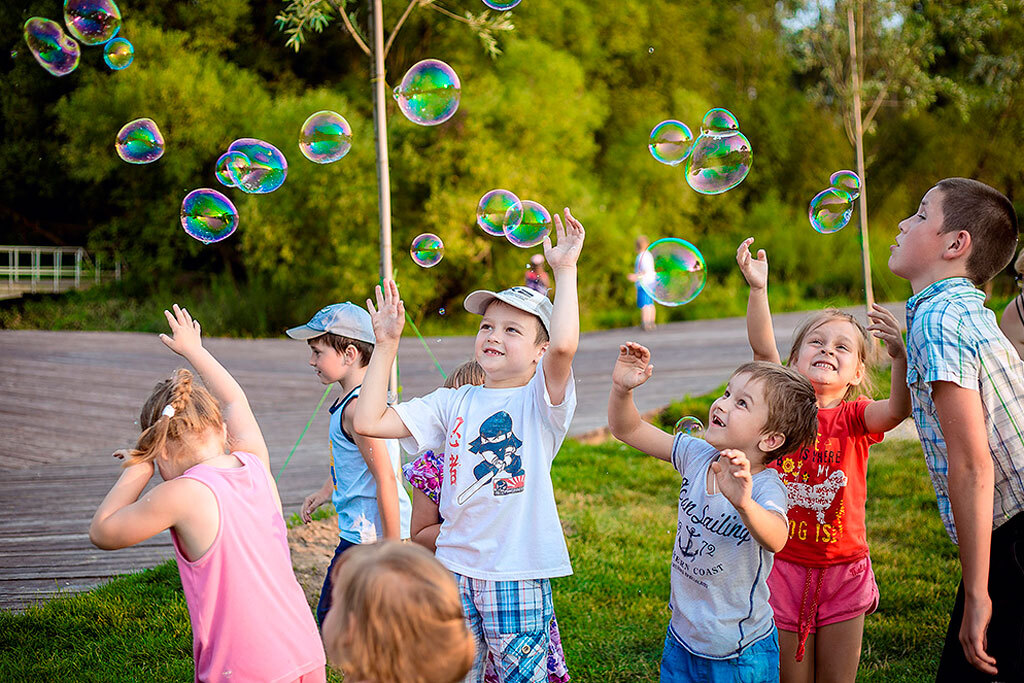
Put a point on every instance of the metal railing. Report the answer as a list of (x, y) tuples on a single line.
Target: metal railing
[(54, 269)]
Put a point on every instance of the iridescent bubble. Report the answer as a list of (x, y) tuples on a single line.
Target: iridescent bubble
[(830, 210), (92, 21), (533, 227), (671, 142), (52, 48), (690, 426), (502, 6), (719, 122), (679, 272), (231, 165), (441, 311), (493, 209), (427, 250), (718, 163), (848, 181), (325, 137), (139, 142), (429, 93), (267, 167), (118, 53), (208, 215)]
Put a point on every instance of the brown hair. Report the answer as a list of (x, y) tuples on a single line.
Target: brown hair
[(195, 412), (340, 342), (988, 216), (792, 405), (866, 386), (469, 372), (393, 606)]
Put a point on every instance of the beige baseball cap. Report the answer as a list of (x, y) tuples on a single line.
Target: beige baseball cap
[(347, 320), (523, 298)]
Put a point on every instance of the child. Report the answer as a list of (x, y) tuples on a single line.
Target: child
[(363, 483), (501, 535), (967, 387), (721, 627), (396, 616), (425, 473), (537, 276), (250, 620), (822, 585), (643, 274)]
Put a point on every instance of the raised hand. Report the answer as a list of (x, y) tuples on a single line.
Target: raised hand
[(633, 366), (884, 326), (755, 270), (732, 474), (389, 316), (570, 242), (186, 335)]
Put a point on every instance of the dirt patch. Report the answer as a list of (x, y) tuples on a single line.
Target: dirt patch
[(312, 546)]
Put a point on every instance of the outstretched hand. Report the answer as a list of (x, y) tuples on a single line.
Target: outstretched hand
[(388, 317), (186, 335), (755, 270), (570, 242), (732, 474), (884, 326), (633, 366)]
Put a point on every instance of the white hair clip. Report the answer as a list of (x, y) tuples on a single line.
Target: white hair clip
[(168, 410)]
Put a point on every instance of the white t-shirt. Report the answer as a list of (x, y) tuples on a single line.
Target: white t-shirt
[(645, 269), (719, 572), (497, 501)]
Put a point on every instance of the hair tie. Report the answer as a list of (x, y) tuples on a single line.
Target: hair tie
[(168, 410)]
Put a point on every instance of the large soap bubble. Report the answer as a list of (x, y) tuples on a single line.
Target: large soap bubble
[(690, 426), (231, 165), (52, 48), (325, 137), (830, 210), (679, 272), (208, 216), (140, 142), (118, 53), (671, 142), (848, 181), (534, 224), (92, 21), (427, 250), (429, 93), (267, 167), (493, 208)]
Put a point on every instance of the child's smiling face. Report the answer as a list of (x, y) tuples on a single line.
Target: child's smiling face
[(738, 417), (506, 345), (830, 356)]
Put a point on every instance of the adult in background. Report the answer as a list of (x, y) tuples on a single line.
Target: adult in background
[(643, 273), (1012, 322)]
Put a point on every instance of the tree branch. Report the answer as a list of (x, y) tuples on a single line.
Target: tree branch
[(340, 6), (398, 25)]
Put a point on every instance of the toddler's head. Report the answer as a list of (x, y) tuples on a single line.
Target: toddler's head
[(396, 615), (469, 372), (831, 349)]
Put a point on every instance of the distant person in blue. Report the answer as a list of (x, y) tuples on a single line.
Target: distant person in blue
[(643, 274)]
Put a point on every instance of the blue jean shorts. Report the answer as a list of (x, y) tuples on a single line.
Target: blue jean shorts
[(759, 663)]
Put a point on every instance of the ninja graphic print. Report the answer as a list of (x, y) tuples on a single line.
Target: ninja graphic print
[(501, 466)]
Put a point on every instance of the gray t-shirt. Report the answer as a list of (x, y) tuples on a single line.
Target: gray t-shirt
[(719, 572)]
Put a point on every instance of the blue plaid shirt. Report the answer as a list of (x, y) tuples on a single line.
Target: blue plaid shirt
[(952, 337)]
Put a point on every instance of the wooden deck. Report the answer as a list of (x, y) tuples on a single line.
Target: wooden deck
[(69, 399)]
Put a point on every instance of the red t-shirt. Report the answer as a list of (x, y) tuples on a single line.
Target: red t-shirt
[(827, 489)]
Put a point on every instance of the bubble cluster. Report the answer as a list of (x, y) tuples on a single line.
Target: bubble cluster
[(52, 48), (494, 208), (208, 216), (502, 6), (721, 156), (92, 21), (671, 142), (690, 426), (325, 137), (427, 250), (532, 228), (429, 93), (140, 142), (679, 272), (118, 53), (231, 165), (847, 181), (266, 168), (830, 210)]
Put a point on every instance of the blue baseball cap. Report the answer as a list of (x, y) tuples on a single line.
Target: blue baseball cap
[(346, 320)]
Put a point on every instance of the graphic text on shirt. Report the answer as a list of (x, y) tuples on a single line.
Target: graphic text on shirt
[(497, 445)]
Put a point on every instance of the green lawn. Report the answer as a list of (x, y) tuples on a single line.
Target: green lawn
[(618, 509)]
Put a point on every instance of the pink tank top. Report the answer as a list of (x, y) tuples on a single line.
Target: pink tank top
[(250, 619)]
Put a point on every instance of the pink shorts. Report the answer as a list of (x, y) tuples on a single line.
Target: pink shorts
[(821, 595)]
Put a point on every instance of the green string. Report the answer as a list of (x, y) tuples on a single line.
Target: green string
[(288, 459), (417, 331)]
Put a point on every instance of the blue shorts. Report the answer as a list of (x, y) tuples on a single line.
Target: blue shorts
[(325, 593), (759, 663), (643, 298)]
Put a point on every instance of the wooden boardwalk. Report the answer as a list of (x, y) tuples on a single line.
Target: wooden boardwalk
[(69, 399)]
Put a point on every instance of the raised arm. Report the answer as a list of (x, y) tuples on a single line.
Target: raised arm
[(373, 417), (565, 316), (760, 332), (633, 368), (881, 416)]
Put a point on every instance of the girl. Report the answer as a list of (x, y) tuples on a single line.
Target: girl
[(424, 473), (821, 583), (250, 620)]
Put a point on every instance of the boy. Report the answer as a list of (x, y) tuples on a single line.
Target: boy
[(722, 627), (967, 390), (501, 536), (364, 483)]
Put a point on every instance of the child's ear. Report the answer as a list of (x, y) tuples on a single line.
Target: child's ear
[(352, 355), (859, 377), (541, 350), (769, 442), (959, 247)]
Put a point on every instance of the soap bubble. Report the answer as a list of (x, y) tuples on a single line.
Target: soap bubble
[(718, 122), (830, 210), (140, 142), (267, 167), (325, 137), (679, 272), (502, 6), (52, 48), (118, 53), (848, 181), (533, 227), (690, 426), (427, 250), (92, 21), (441, 311), (208, 215), (493, 209), (671, 142), (718, 163), (429, 93), (650, 50), (231, 165)]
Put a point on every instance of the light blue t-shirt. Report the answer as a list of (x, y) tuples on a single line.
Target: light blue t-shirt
[(355, 491), (719, 572)]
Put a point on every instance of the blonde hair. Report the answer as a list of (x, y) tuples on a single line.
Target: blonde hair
[(866, 386), (469, 372), (792, 405), (393, 607), (194, 409), (1018, 265)]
